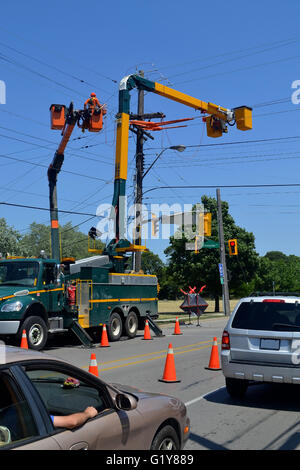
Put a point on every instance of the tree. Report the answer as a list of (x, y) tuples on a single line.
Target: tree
[(151, 263), (276, 256), (196, 269), (9, 238), (278, 273)]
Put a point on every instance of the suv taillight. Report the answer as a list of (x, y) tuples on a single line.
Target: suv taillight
[(225, 341)]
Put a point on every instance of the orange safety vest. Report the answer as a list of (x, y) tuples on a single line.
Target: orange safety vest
[(92, 102)]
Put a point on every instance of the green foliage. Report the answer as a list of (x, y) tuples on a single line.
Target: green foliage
[(151, 263), (73, 242), (198, 269), (281, 273), (9, 239)]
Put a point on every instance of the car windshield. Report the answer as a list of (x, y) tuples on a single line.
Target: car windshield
[(268, 316), (19, 273)]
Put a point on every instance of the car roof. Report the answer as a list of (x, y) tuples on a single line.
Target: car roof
[(287, 298), (12, 354)]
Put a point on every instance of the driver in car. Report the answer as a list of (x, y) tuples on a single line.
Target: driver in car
[(75, 419)]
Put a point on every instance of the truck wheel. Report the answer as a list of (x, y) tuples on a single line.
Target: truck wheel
[(131, 324), (36, 332), (114, 327)]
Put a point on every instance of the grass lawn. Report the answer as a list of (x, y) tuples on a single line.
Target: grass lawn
[(166, 307)]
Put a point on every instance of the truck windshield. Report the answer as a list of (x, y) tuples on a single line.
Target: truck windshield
[(19, 273)]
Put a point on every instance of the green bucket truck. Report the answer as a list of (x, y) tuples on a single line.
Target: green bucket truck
[(37, 297)]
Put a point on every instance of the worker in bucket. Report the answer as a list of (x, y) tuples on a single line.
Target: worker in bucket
[(92, 102)]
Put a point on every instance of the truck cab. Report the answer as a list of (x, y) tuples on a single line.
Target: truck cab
[(31, 298)]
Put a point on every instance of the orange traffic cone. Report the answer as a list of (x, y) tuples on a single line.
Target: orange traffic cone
[(24, 343), (147, 334), (214, 363), (93, 369), (177, 328), (169, 374), (104, 339)]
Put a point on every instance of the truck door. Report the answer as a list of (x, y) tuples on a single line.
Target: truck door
[(53, 294)]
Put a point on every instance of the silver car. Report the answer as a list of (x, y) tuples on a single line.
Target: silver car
[(35, 387), (261, 343)]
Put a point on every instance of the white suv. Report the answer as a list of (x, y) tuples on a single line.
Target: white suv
[(261, 342)]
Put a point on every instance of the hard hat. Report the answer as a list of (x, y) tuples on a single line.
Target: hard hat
[(93, 94)]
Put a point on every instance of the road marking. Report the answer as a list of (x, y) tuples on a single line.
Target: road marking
[(159, 356), (195, 400), (156, 352)]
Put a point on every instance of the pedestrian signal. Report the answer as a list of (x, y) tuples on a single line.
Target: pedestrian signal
[(232, 245)]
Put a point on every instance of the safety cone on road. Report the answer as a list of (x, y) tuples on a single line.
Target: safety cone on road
[(24, 343), (177, 330), (147, 334), (104, 339), (169, 374), (93, 369), (214, 362)]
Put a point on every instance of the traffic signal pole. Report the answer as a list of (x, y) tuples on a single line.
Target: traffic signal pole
[(224, 278)]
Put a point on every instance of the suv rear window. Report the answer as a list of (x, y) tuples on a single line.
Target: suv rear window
[(267, 316)]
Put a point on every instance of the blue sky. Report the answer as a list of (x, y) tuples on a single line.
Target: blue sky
[(231, 54)]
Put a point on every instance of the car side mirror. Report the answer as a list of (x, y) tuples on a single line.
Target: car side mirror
[(125, 402)]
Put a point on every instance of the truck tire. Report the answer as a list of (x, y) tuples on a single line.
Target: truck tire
[(131, 324), (36, 332), (114, 327)]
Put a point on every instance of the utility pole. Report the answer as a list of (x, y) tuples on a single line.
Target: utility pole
[(222, 266), (139, 179), (139, 156)]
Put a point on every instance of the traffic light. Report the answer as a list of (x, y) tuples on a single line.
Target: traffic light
[(205, 223), (93, 233), (154, 225), (232, 245)]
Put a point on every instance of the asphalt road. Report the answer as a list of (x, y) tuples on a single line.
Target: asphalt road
[(268, 417)]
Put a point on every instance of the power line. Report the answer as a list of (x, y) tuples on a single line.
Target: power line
[(232, 52), (50, 66), (240, 69), (24, 206), (224, 186), (47, 147), (236, 58), (41, 75), (51, 50), (45, 166), (240, 142)]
